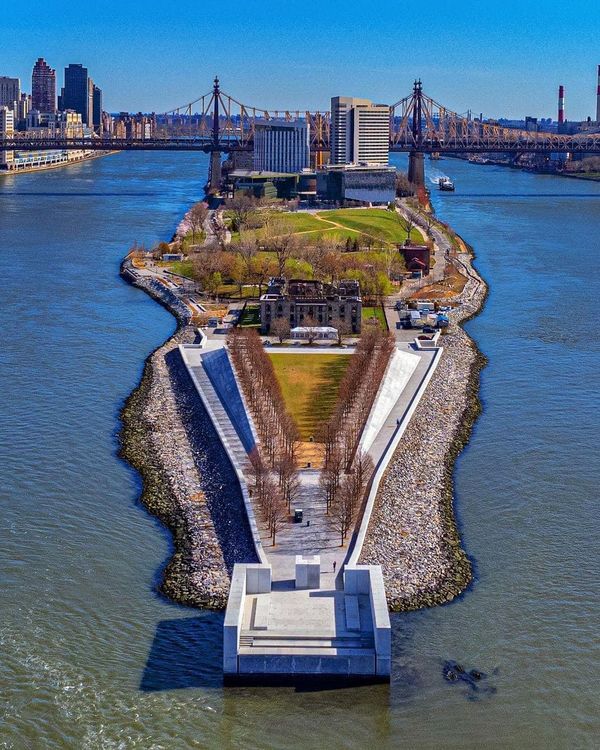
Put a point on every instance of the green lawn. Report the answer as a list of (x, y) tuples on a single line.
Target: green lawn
[(374, 312), (339, 224), (375, 222), (310, 383), (183, 268)]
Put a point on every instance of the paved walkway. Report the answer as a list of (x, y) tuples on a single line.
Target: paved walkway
[(318, 538)]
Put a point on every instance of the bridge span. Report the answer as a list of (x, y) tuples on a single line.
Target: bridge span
[(219, 123)]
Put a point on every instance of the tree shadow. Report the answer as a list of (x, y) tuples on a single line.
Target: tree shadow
[(185, 653)]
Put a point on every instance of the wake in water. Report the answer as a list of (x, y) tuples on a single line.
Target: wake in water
[(434, 176)]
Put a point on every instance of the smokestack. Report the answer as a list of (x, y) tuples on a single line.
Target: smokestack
[(598, 98), (561, 104)]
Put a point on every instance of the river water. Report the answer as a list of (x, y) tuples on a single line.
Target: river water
[(91, 657)]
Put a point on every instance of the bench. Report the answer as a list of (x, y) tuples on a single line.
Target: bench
[(262, 607)]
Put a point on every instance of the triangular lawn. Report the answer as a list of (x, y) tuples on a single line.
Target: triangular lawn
[(310, 386)]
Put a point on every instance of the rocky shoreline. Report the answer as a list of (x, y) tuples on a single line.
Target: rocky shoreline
[(169, 439), (413, 533)]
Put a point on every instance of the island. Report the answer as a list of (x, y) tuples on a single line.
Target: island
[(298, 432)]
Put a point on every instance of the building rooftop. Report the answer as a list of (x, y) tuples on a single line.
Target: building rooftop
[(251, 174), (310, 290)]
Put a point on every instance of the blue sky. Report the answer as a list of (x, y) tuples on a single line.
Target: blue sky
[(503, 58)]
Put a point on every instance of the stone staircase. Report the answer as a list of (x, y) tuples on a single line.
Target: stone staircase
[(264, 641), (288, 654), (223, 420)]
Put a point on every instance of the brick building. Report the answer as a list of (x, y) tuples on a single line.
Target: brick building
[(299, 301), (416, 258)]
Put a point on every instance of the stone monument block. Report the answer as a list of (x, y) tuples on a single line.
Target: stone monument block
[(308, 572)]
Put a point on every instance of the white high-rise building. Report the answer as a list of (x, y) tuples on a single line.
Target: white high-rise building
[(281, 146), (360, 131), (7, 129)]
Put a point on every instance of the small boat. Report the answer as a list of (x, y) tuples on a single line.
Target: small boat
[(445, 183)]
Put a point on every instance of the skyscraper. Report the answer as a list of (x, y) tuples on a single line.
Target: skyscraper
[(10, 91), (97, 108), (77, 94), (281, 146), (598, 98), (43, 87), (360, 131)]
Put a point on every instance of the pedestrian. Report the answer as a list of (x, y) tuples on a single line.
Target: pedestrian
[(308, 523), (334, 564)]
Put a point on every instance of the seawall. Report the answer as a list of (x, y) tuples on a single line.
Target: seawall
[(45, 167)]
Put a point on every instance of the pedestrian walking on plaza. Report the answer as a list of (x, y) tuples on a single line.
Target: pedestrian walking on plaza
[(334, 564)]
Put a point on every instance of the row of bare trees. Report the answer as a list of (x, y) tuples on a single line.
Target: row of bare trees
[(346, 469), (273, 491), (274, 472)]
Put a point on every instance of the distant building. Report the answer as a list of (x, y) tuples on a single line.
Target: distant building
[(77, 93), (360, 131), (7, 129), (531, 124), (10, 92), (300, 301), (65, 124), (23, 108), (96, 108), (264, 184), (140, 127), (43, 87), (281, 146), (365, 184)]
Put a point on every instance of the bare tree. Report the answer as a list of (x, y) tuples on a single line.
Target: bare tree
[(276, 428), (403, 186), (289, 482), (407, 222), (280, 328), (311, 324), (344, 330), (331, 473), (342, 511), (241, 207), (261, 269), (246, 248), (280, 241), (196, 217), (273, 508)]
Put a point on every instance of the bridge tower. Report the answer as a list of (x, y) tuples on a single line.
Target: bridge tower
[(214, 174), (416, 161)]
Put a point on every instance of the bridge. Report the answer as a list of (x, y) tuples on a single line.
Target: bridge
[(219, 123)]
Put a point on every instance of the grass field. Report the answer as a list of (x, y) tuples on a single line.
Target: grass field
[(339, 224), (183, 268), (374, 312), (309, 383)]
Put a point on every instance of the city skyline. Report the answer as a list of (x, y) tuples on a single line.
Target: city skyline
[(469, 60)]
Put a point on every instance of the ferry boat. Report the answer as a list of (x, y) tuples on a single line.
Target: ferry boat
[(445, 183)]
